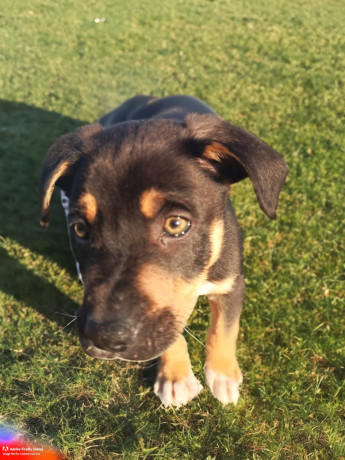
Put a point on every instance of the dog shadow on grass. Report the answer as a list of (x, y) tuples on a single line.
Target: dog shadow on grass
[(26, 134), (19, 282)]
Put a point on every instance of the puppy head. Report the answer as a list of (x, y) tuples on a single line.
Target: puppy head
[(146, 221)]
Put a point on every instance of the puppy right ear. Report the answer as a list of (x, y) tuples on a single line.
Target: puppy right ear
[(60, 162)]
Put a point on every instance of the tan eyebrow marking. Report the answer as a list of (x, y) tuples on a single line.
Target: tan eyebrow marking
[(151, 201), (89, 205)]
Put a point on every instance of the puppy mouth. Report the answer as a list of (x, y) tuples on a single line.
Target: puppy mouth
[(141, 340), (90, 349), (136, 353)]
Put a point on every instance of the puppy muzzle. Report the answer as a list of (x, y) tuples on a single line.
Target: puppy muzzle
[(127, 340)]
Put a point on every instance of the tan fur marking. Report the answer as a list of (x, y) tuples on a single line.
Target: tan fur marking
[(216, 240), (59, 171), (180, 296), (221, 345), (216, 152), (217, 287), (150, 202), (166, 291), (174, 363), (89, 206)]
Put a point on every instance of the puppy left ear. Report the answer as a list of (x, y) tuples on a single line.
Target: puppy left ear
[(60, 162), (234, 153)]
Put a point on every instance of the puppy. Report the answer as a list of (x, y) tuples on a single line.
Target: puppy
[(151, 226)]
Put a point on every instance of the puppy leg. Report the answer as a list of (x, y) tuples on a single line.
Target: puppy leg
[(222, 372), (176, 384)]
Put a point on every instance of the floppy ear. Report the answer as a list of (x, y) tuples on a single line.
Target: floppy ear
[(58, 165), (234, 153)]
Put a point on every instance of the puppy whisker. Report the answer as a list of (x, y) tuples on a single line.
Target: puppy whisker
[(192, 335), (72, 321), (65, 314), (74, 317)]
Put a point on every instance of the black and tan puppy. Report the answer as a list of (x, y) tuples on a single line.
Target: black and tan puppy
[(151, 226)]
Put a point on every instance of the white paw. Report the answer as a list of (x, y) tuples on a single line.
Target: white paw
[(224, 388), (177, 393)]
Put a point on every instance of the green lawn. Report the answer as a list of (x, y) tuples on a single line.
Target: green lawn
[(275, 68)]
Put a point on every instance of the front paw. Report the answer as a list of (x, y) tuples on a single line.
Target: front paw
[(177, 393), (224, 387)]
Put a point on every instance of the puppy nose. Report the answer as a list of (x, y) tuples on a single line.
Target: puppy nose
[(112, 336)]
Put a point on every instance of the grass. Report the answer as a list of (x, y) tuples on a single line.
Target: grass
[(274, 68)]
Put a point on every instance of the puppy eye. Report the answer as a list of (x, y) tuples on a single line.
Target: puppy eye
[(176, 226), (80, 230)]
